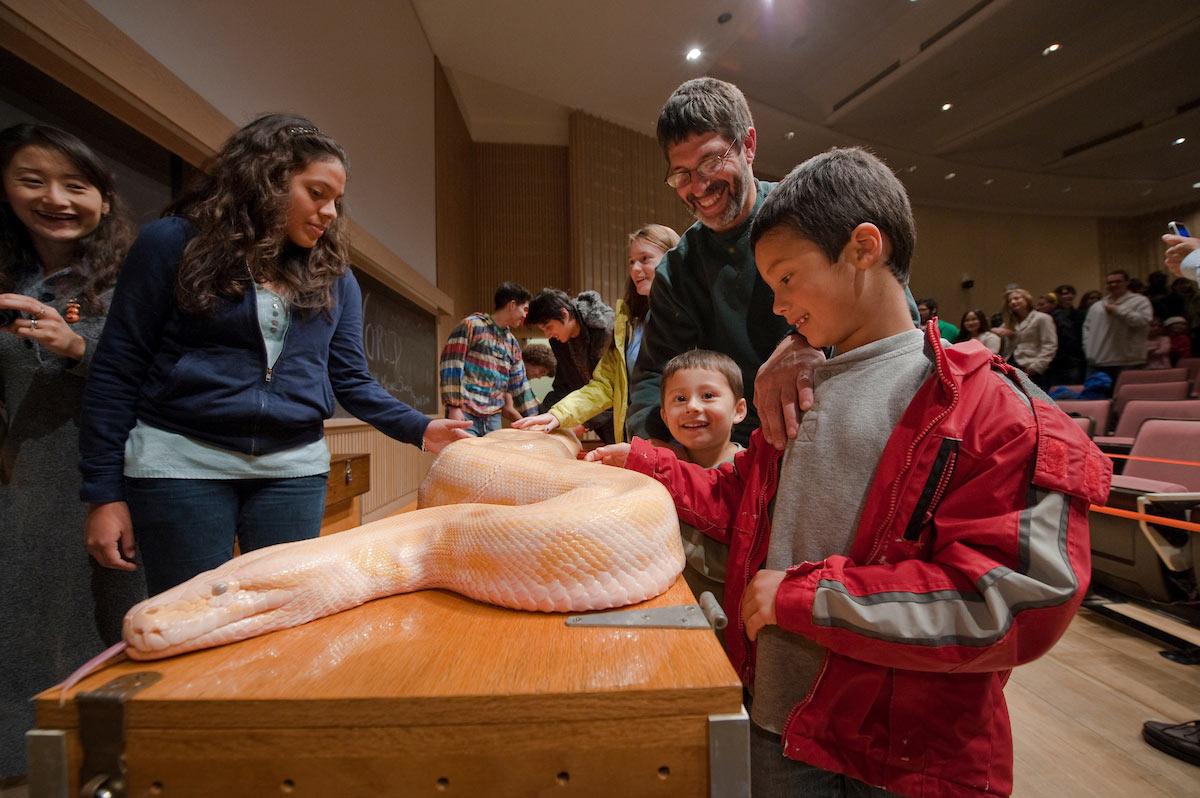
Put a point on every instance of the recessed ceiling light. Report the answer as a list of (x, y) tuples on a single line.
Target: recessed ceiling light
[(1150, 191), (1179, 140), (694, 53), (989, 181), (1027, 185), (1067, 190), (949, 176), (947, 106), (725, 17), (1051, 49), (1195, 185), (912, 168), (791, 134)]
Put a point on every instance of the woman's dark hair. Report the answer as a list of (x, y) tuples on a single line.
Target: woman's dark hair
[(661, 237), (98, 255), (239, 207), (548, 305), (963, 335)]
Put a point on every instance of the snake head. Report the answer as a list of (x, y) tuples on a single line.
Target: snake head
[(208, 610)]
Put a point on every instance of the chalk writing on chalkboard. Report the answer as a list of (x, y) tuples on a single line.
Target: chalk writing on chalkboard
[(400, 342)]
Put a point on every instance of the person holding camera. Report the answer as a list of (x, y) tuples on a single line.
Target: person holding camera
[(62, 238)]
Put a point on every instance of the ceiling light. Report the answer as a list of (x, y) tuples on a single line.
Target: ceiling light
[(912, 168), (725, 17), (989, 181), (1051, 49), (694, 54), (1150, 191), (1067, 190), (947, 106), (791, 134), (1195, 185), (949, 175), (1027, 185), (1179, 140)]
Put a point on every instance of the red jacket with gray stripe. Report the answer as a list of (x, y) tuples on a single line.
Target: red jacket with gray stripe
[(970, 557)]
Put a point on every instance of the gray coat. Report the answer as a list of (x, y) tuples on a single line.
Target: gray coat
[(59, 607)]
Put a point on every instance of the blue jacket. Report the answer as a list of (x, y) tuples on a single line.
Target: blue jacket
[(207, 377)]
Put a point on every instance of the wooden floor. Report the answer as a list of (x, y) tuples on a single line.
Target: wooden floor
[(1077, 716)]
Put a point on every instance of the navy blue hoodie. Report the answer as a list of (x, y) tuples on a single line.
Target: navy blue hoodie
[(207, 377)]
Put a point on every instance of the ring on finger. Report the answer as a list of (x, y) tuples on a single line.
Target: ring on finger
[(34, 322)]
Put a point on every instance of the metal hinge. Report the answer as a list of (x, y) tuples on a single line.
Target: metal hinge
[(705, 615), (102, 734)]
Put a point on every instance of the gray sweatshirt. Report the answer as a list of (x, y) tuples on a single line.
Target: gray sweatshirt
[(858, 399)]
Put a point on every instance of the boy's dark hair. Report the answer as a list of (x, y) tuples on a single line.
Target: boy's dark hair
[(548, 306), (540, 355), (1124, 274), (930, 303), (704, 105), (827, 196), (707, 360), (1066, 286), (510, 292)]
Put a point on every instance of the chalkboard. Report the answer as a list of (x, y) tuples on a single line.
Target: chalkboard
[(400, 341)]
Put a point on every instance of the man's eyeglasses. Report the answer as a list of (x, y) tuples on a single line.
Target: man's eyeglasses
[(704, 170)]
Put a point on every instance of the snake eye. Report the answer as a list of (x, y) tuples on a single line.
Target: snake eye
[(219, 588)]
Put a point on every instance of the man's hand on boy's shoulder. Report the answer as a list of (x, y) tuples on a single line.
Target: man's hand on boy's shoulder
[(783, 388), (758, 602)]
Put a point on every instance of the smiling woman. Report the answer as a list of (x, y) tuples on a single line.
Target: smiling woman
[(235, 325)]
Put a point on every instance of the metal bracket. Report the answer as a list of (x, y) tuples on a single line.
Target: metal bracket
[(102, 734), (47, 749), (705, 615), (729, 755)]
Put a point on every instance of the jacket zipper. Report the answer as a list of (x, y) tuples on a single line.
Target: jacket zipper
[(268, 371), (877, 543), (935, 486), (773, 473)]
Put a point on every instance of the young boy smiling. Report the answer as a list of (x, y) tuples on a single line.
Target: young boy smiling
[(926, 530)]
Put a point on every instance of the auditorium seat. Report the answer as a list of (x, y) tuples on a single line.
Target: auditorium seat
[(1192, 364), (1148, 390), (1142, 376), (1085, 424), (1140, 559), (1098, 410), (1138, 412)]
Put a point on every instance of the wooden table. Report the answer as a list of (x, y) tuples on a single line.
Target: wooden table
[(428, 693)]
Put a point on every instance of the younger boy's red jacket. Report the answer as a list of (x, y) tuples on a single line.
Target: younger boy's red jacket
[(971, 556)]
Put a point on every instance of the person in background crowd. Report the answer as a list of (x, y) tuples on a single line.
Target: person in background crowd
[(1030, 340), (481, 364), (1068, 365), (1181, 343), (974, 326), (1158, 346), (1086, 301), (63, 233), (581, 333), (1046, 303), (928, 308), (539, 361), (1114, 332), (235, 324), (609, 386)]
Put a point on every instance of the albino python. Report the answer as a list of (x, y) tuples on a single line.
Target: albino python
[(511, 519)]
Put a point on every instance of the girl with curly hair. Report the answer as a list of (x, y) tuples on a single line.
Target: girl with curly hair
[(236, 323), (62, 237)]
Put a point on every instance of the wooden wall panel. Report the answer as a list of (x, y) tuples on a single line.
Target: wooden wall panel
[(1134, 243), (616, 187), (520, 213)]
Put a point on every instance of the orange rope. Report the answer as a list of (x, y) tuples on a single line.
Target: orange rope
[(1156, 519), (1153, 460)]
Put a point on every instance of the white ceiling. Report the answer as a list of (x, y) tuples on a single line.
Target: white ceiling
[(1087, 130)]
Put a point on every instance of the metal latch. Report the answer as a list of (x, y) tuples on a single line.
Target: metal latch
[(705, 615), (102, 734), (349, 473)]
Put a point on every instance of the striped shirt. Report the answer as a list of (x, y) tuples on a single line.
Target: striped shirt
[(480, 363)]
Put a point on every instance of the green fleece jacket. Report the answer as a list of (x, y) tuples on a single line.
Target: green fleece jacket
[(609, 386)]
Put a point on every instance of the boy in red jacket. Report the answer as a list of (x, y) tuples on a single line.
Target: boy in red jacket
[(924, 533)]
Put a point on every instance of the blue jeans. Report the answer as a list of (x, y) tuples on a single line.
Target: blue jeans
[(482, 425), (183, 527), (773, 774)]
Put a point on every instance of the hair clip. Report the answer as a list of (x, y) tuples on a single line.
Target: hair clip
[(302, 131)]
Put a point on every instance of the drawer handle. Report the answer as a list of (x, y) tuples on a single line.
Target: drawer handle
[(349, 473)]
